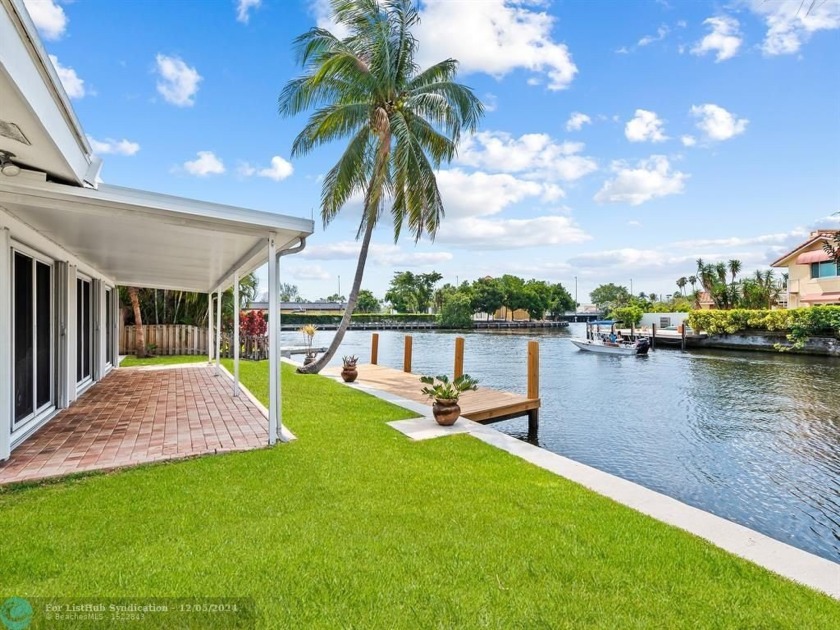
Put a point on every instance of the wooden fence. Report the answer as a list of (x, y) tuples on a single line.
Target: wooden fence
[(178, 339)]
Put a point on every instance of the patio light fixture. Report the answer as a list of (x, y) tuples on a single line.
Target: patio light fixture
[(7, 167)]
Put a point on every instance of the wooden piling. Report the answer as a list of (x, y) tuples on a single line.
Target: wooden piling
[(682, 337), (407, 354), (459, 357), (374, 348), (533, 385), (632, 331), (653, 336)]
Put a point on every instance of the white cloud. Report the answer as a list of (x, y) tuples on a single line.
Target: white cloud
[(500, 36), (113, 147), (650, 179), (577, 120), (790, 23), (493, 234), (688, 140), (243, 9), (738, 241), (309, 272), (481, 194), (645, 126), (634, 223), (48, 16), (724, 38), (661, 33), (178, 82), (717, 123), (622, 51), (73, 85), (490, 102), (205, 164), (279, 170), (380, 254), (533, 154)]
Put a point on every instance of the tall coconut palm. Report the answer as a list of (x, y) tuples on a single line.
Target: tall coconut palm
[(401, 123), (734, 268), (692, 280), (681, 282), (139, 331)]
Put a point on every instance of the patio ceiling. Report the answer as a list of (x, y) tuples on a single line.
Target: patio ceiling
[(147, 239)]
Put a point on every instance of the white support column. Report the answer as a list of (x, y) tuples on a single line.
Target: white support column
[(278, 317), (273, 344), (62, 273), (236, 334), (218, 329), (69, 341), (6, 408), (210, 343), (115, 326)]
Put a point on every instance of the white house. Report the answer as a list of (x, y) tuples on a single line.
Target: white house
[(67, 241)]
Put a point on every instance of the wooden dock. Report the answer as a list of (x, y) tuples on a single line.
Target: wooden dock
[(484, 405)]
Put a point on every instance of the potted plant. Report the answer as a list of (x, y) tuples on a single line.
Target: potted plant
[(446, 393), (308, 331), (348, 370)]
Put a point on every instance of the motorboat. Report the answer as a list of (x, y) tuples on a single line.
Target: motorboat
[(611, 343)]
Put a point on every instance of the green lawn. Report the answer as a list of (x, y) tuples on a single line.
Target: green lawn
[(354, 525), (132, 361)]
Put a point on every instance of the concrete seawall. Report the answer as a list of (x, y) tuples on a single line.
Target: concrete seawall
[(765, 341)]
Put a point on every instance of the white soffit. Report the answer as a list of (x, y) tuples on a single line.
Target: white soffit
[(150, 240)]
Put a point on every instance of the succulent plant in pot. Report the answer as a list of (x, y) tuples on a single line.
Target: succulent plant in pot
[(445, 393), (348, 369)]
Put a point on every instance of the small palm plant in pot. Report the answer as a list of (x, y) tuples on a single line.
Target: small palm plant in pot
[(348, 370), (308, 331), (445, 394)]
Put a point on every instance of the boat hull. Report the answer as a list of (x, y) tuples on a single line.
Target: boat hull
[(599, 348)]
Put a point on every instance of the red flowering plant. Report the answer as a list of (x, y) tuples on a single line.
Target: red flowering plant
[(252, 324)]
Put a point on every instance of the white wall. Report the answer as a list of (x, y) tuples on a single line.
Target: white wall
[(656, 318)]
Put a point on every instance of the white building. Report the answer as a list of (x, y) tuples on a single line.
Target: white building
[(67, 241)]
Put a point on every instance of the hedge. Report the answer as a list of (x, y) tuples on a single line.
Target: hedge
[(800, 323)]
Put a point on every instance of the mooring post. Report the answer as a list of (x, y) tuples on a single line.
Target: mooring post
[(459, 357), (632, 331), (374, 348), (682, 336), (533, 385), (407, 354), (653, 336)]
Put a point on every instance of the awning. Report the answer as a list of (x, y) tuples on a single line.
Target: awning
[(821, 298), (818, 255), (144, 239)]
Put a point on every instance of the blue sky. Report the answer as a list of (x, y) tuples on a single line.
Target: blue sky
[(622, 140)]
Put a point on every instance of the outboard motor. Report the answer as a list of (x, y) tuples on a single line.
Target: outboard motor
[(643, 345)]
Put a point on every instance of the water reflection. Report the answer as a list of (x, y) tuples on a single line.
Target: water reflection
[(752, 437)]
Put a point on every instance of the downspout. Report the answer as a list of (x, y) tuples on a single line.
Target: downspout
[(285, 252)]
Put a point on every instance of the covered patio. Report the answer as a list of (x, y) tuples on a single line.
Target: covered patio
[(140, 415)]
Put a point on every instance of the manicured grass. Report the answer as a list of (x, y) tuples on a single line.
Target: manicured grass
[(354, 525), (132, 361)]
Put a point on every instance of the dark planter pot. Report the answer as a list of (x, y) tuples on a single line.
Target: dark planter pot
[(310, 358), (446, 412), (349, 374)]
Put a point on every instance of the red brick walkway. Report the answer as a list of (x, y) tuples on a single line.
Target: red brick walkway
[(137, 415)]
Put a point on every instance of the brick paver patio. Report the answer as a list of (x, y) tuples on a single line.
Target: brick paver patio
[(137, 415)]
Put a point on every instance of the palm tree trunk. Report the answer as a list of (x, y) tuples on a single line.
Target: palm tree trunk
[(320, 364), (139, 333)]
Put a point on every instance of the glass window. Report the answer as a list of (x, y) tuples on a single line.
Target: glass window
[(43, 332), (825, 269), (22, 323)]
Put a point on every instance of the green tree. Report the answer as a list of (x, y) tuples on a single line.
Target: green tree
[(412, 293), (488, 296), (628, 314), (606, 296), (289, 292), (367, 302), (513, 288), (402, 124), (335, 297), (681, 282), (561, 300), (456, 311)]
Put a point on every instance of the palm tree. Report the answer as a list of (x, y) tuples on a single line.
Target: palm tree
[(692, 280), (734, 268), (401, 123), (139, 331), (681, 282)]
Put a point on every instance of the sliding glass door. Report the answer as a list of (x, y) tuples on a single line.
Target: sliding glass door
[(84, 330), (33, 385)]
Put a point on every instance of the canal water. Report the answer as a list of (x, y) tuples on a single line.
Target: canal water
[(751, 437)]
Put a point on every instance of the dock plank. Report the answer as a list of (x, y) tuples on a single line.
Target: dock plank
[(483, 405)]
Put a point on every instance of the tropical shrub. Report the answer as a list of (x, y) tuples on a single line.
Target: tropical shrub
[(456, 312), (627, 314)]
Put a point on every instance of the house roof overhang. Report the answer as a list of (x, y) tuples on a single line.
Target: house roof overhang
[(35, 104), (144, 239), (791, 257)]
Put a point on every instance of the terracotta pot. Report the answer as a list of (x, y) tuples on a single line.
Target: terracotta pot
[(349, 374), (446, 412)]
